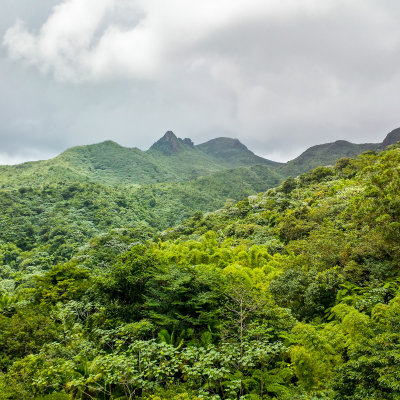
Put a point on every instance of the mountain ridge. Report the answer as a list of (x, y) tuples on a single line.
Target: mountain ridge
[(391, 138), (324, 154), (172, 159)]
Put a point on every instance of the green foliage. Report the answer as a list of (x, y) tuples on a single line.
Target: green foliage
[(23, 333), (289, 294), (125, 283), (62, 283), (169, 160)]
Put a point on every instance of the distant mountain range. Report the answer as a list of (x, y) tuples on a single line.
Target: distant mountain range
[(328, 153), (172, 159), (104, 186)]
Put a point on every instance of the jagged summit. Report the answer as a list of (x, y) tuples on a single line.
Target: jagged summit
[(169, 136), (170, 144)]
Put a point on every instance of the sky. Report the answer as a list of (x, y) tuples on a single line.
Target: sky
[(279, 75)]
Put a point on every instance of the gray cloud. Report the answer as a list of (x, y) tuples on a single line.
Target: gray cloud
[(279, 75)]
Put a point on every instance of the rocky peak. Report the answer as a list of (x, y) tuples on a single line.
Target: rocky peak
[(170, 144), (169, 136)]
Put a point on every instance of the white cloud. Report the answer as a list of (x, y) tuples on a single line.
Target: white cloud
[(63, 42), (91, 39)]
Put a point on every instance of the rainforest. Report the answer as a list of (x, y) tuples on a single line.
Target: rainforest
[(232, 281)]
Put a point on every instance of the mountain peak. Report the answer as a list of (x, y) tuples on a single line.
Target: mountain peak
[(170, 144), (169, 136)]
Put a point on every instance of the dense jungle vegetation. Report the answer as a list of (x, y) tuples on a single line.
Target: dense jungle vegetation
[(289, 294)]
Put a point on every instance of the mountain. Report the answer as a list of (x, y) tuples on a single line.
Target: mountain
[(170, 159), (169, 144), (233, 152), (328, 153), (90, 189), (105, 162), (223, 150), (324, 154)]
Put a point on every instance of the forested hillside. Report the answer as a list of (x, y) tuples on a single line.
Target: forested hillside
[(170, 159), (289, 294), (88, 190), (57, 217)]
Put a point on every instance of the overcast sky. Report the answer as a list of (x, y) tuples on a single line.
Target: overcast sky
[(279, 75)]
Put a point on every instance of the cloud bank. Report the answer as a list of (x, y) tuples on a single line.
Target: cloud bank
[(96, 39), (280, 75)]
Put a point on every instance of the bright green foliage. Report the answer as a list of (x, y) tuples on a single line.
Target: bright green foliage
[(23, 333), (62, 283), (373, 354), (293, 293)]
